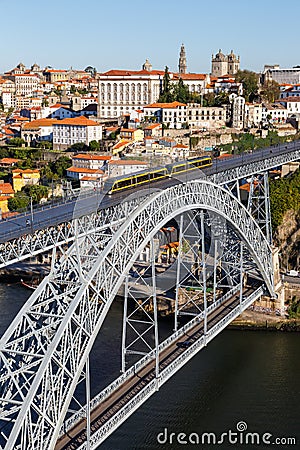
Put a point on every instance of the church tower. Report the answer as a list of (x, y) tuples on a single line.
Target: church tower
[(182, 67)]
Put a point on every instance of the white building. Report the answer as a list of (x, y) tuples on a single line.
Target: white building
[(274, 113), (237, 111), (254, 114), (26, 84), (71, 131), (38, 130), (8, 100), (281, 76), (206, 116), (120, 167), (121, 91), (292, 104), (173, 115), (89, 175), (290, 90), (87, 161)]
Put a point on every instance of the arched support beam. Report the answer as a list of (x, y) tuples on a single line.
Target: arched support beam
[(42, 359)]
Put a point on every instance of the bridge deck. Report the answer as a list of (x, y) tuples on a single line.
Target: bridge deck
[(222, 171), (111, 405)]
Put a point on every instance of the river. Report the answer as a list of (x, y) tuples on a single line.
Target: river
[(242, 376)]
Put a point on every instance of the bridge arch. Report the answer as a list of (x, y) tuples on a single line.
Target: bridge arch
[(59, 368)]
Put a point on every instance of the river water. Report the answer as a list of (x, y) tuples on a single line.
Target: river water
[(242, 376)]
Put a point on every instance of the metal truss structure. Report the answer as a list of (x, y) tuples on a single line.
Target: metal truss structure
[(29, 244), (45, 350)]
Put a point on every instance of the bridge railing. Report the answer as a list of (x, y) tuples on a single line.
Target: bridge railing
[(102, 433), (244, 304), (112, 387)]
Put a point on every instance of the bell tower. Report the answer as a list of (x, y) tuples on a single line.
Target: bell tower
[(182, 67)]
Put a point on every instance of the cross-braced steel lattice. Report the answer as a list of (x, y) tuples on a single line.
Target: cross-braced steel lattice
[(44, 351)]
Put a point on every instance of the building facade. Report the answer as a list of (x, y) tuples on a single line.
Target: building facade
[(205, 116), (123, 91), (224, 64), (67, 132), (281, 76), (182, 65)]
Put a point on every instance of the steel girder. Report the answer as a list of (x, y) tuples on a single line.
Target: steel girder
[(46, 347), (246, 169), (47, 238), (43, 240)]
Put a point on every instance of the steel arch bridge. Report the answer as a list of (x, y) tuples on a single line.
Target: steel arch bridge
[(44, 351)]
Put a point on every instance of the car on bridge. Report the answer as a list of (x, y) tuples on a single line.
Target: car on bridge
[(184, 344)]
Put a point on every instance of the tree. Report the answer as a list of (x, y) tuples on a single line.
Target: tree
[(249, 81), (60, 166), (166, 95), (79, 147), (16, 142), (181, 92), (209, 99), (19, 201), (44, 144), (94, 145), (221, 99), (36, 192), (270, 91)]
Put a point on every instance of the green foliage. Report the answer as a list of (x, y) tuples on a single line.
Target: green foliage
[(248, 141), (16, 142), (294, 309), (94, 145), (208, 99), (270, 91), (56, 169), (19, 201), (36, 192), (284, 196), (194, 140), (180, 92), (250, 83), (79, 147), (4, 152), (44, 144), (166, 95)]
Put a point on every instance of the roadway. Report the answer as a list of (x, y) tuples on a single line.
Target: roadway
[(53, 215), (111, 405)]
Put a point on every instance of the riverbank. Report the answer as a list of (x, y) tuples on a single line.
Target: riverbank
[(252, 320), (25, 270)]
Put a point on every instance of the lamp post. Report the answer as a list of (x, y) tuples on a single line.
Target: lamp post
[(31, 214)]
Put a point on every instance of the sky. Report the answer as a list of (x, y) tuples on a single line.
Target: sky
[(121, 34)]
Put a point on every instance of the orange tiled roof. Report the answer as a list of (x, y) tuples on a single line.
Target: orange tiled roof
[(190, 76), (123, 73), (165, 105), (91, 157), (86, 178), (83, 170), (78, 121), (154, 125), (128, 130), (19, 171), (39, 123), (180, 146), (126, 162), (6, 188), (9, 160), (122, 143)]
